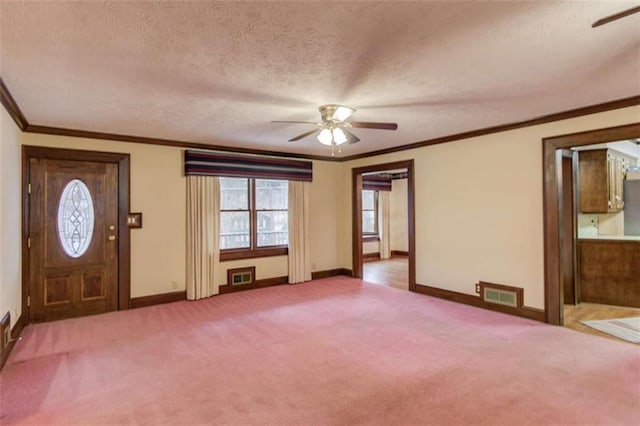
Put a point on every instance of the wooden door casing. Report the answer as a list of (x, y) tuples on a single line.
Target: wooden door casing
[(62, 286)]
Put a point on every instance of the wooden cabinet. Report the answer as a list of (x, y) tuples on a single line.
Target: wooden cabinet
[(601, 180), (609, 272)]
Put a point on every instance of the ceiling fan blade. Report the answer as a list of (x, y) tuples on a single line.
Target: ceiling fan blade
[(615, 16), (299, 122), (371, 125), (351, 138), (304, 135)]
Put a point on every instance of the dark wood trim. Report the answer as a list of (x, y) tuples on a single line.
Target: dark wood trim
[(399, 253), (47, 130), (370, 238), (16, 331), (124, 185), (12, 107), (331, 273), (356, 207), (158, 299), (551, 176), (252, 254), (267, 282), (469, 299), (368, 257), (564, 115)]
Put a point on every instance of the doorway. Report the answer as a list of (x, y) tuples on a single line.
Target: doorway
[(557, 232), (399, 270), (76, 242)]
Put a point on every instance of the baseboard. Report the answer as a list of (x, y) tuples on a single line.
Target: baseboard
[(399, 253), (157, 299), (368, 257), (16, 331), (331, 273), (469, 299), (267, 282)]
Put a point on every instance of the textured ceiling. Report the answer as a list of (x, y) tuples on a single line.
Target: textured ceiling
[(219, 72)]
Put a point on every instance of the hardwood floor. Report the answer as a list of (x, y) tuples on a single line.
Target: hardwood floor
[(391, 273), (573, 314)]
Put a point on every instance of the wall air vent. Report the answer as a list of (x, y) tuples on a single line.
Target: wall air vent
[(241, 276), (500, 294)]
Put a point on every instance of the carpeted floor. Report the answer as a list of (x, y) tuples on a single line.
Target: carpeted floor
[(333, 351)]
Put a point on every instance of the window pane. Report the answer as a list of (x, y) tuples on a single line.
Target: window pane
[(368, 222), (273, 229), (234, 193), (368, 200), (75, 218), (272, 194), (234, 230)]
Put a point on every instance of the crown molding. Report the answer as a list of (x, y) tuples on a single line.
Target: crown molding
[(12, 107), (14, 111), (564, 115), (60, 131)]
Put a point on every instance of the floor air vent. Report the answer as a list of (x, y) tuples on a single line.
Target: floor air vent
[(500, 294)]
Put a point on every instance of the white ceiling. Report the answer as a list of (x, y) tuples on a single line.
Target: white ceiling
[(219, 72)]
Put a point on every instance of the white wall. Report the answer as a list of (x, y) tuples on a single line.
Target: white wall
[(158, 190), (399, 219), (10, 222), (479, 212)]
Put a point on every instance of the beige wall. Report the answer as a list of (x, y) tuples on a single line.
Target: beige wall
[(370, 247), (478, 210), (399, 220), (479, 206), (10, 208), (158, 190)]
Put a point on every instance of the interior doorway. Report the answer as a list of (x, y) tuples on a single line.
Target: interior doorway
[(76, 246), (385, 223), (383, 237), (565, 250)]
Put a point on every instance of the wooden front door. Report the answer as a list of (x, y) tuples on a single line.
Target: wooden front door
[(73, 253)]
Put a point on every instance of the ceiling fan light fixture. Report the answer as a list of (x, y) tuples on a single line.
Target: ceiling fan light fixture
[(339, 137), (342, 113), (325, 137)]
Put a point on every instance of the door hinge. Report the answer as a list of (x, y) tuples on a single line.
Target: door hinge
[(29, 188), (28, 301), (29, 242)]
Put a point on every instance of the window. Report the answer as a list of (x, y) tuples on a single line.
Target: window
[(369, 213), (253, 217)]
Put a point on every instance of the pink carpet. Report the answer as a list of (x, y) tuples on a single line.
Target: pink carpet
[(333, 351)]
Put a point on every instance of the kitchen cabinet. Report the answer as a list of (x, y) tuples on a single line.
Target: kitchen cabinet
[(609, 271), (601, 180)]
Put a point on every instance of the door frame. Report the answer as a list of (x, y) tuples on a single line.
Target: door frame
[(356, 202), (124, 243), (551, 177)]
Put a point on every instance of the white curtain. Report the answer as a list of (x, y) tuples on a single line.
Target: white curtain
[(384, 227), (299, 254), (203, 236)]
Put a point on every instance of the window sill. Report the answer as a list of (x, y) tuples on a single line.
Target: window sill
[(370, 238), (251, 254)]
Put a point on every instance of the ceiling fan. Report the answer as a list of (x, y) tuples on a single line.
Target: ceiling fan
[(333, 128), (616, 16)]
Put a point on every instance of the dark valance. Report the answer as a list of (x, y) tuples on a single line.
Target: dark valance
[(376, 183), (237, 165)]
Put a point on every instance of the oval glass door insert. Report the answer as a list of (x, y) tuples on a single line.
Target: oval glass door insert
[(75, 218)]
